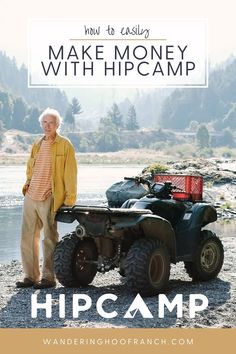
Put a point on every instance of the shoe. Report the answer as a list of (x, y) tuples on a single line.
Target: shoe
[(44, 284), (26, 283)]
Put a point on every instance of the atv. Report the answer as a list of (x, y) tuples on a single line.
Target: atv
[(142, 237)]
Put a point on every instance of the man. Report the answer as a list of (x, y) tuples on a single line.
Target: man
[(51, 183)]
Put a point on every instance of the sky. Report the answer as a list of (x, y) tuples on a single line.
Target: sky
[(14, 17)]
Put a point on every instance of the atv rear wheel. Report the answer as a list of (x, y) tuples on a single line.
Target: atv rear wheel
[(209, 258), (75, 261), (147, 267)]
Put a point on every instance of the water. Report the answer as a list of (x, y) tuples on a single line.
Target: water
[(92, 184)]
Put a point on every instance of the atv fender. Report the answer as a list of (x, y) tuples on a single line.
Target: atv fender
[(155, 227), (188, 230), (65, 214), (202, 215)]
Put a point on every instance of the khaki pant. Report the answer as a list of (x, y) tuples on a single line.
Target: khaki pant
[(38, 215)]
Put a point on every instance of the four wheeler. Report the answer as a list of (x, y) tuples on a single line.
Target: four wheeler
[(142, 238)]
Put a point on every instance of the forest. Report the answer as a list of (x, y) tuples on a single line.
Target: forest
[(205, 116)]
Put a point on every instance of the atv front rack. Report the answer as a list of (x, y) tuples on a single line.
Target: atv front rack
[(191, 186)]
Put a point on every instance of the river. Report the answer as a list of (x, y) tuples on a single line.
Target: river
[(92, 184)]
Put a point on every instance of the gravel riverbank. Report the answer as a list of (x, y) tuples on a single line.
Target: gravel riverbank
[(15, 304)]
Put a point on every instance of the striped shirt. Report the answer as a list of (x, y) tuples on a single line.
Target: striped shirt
[(41, 182)]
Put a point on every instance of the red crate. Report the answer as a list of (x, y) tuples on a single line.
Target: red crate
[(191, 186)]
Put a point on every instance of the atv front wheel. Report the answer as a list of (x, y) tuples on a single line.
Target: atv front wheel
[(209, 258), (75, 261), (147, 267)]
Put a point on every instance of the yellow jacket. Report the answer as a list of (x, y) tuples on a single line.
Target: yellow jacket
[(64, 171)]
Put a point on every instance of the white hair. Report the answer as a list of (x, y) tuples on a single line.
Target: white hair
[(51, 112)]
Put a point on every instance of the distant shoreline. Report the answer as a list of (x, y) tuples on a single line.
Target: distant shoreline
[(123, 157)]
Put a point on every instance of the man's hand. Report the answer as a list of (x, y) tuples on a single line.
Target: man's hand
[(25, 188)]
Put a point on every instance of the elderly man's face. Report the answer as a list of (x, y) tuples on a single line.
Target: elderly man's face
[(49, 125)]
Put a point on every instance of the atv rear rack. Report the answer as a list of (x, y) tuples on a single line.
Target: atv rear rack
[(81, 209)]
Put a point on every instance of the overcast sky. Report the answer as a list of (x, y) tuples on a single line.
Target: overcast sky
[(220, 14)]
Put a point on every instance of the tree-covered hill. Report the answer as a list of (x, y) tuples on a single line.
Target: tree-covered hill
[(14, 81), (21, 106), (216, 104)]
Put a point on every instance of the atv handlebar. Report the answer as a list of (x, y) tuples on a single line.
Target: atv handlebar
[(160, 190), (139, 180)]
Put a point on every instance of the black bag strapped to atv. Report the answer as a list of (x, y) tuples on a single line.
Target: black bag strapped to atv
[(119, 192)]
